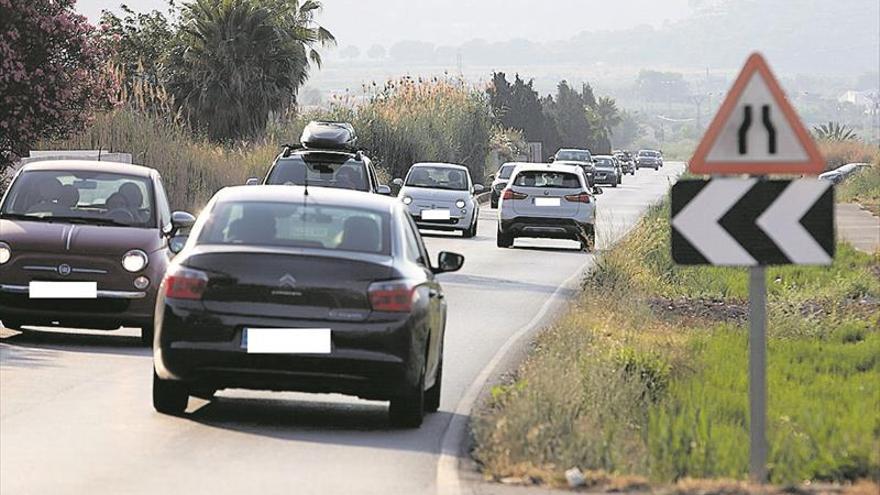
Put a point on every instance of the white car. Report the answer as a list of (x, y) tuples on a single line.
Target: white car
[(548, 201), (440, 196)]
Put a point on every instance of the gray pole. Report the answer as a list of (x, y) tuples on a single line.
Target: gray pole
[(758, 374)]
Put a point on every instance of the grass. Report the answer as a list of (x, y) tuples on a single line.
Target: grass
[(646, 375)]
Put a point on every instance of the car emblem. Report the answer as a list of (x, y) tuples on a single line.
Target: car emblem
[(546, 193), (287, 281), (64, 269), (287, 285)]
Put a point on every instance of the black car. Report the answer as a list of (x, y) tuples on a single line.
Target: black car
[(306, 289)]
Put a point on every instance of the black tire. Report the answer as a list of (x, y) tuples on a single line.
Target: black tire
[(588, 240), (615, 184), (503, 240), (470, 231), (656, 168), (407, 410), (494, 203), (169, 397), (147, 335), (432, 395)]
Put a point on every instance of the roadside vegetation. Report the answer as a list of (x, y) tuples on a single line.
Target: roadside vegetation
[(645, 378)]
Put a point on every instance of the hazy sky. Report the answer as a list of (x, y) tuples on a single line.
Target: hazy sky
[(365, 22)]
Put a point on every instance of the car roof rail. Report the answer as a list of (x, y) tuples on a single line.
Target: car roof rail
[(287, 148)]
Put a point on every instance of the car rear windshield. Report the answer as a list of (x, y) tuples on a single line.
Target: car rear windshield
[(652, 154), (573, 156), (540, 178), (81, 197), (320, 169), (505, 171), (307, 225), (604, 162), (438, 178)]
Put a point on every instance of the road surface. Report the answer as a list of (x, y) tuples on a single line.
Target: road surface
[(76, 416)]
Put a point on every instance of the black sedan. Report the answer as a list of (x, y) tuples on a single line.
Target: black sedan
[(318, 290)]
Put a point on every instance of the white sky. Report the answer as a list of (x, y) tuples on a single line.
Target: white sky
[(365, 22)]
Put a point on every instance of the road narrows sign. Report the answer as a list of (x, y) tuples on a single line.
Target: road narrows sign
[(756, 131), (747, 222)]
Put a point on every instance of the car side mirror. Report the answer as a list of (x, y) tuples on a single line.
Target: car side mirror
[(398, 182), (383, 189), (181, 220), (448, 262), (176, 243), (478, 188), (491, 176), (598, 190), (252, 181), (551, 160)]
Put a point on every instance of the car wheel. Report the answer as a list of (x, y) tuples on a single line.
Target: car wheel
[(588, 240), (614, 184), (147, 335), (494, 203), (432, 396), (169, 397), (504, 240), (407, 410), (470, 231), (656, 168)]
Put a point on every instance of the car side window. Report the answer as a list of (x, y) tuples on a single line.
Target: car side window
[(162, 206)]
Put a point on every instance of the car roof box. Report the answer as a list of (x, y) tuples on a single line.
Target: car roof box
[(329, 136)]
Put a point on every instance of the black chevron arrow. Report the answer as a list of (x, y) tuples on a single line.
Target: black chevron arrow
[(740, 222)]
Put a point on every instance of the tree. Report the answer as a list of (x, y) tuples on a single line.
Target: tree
[(235, 61), (52, 74), (627, 130), (835, 131), (137, 43)]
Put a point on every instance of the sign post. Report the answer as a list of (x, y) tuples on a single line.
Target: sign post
[(753, 222)]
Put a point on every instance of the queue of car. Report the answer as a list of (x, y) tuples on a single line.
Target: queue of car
[(313, 278)]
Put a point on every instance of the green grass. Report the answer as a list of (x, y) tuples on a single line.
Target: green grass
[(624, 385)]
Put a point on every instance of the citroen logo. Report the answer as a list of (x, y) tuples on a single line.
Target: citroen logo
[(64, 269), (287, 281)]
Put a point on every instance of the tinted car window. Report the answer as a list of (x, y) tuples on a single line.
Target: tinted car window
[(320, 169), (296, 225), (95, 197), (505, 171), (437, 178), (573, 156), (539, 178), (604, 162)]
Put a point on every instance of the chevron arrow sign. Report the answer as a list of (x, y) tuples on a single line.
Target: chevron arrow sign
[(752, 222)]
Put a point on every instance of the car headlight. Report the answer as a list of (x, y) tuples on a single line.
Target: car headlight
[(406, 200), (5, 253), (460, 203), (135, 260)]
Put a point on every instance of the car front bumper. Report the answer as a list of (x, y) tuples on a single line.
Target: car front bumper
[(372, 359), (606, 178), (110, 310)]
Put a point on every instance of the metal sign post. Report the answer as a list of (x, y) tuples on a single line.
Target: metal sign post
[(758, 374)]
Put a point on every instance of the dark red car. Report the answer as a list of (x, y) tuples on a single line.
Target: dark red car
[(85, 244)]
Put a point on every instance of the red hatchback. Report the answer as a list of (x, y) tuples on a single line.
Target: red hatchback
[(85, 244)]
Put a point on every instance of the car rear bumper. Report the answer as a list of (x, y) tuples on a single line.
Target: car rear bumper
[(551, 228), (109, 311), (370, 359)]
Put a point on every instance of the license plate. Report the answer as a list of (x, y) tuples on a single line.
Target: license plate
[(63, 290), (546, 201), (286, 340), (439, 214)]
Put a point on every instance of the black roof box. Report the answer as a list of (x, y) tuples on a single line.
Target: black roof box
[(329, 136)]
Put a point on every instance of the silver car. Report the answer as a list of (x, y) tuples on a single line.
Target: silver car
[(548, 201), (440, 196), (499, 182)]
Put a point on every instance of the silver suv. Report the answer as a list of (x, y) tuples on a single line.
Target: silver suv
[(548, 201)]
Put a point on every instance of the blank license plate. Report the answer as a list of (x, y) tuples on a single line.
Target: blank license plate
[(435, 215), (286, 340), (546, 201), (63, 290)]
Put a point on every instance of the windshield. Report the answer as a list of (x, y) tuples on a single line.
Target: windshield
[(505, 171), (573, 156), (81, 197), (320, 169), (298, 225), (539, 178), (652, 154), (604, 163), (437, 178)]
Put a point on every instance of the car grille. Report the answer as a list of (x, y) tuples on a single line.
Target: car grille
[(94, 306)]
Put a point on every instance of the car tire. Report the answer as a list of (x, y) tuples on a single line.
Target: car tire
[(147, 335), (504, 240), (494, 203), (432, 396), (614, 184), (656, 168), (470, 231), (169, 397), (588, 240), (407, 410)]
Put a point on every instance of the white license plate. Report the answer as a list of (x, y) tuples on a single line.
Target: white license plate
[(440, 214), (286, 340), (546, 201), (63, 290)]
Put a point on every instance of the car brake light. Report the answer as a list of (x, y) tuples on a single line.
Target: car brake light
[(395, 296), (578, 198), (511, 194), (185, 283)]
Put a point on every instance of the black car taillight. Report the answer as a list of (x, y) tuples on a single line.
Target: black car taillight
[(185, 283), (578, 198), (511, 194), (395, 296)]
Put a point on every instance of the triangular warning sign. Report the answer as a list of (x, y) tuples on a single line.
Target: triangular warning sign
[(756, 131)]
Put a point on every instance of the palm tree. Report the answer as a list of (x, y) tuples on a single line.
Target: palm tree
[(238, 60), (835, 131), (608, 114)]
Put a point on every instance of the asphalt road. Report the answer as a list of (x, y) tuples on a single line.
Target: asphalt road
[(76, 417)]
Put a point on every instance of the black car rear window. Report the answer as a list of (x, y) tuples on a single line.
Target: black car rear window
[(320, 169), (541, 178), (603, 162), (331, 227)]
